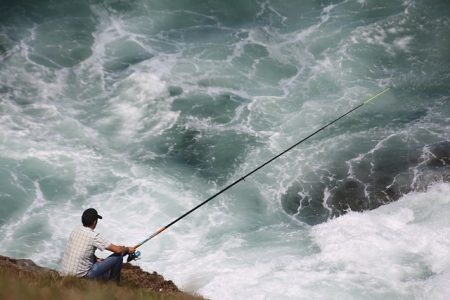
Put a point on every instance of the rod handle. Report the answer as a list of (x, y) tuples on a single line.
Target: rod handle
[(150, 237)]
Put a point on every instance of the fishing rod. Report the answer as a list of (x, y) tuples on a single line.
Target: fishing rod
[(137, 253)]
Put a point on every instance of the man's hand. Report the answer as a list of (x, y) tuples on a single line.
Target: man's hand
[(128, 250)]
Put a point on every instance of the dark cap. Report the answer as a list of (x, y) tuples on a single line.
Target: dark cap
[(89, 216)]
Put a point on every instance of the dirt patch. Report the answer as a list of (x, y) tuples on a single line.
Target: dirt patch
[(134, 276)]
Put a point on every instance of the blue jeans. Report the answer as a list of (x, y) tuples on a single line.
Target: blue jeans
[(107, 269)]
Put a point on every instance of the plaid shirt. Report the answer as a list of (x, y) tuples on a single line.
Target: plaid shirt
[(79, 254)]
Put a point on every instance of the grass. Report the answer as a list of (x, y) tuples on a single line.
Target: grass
[(16, 284)]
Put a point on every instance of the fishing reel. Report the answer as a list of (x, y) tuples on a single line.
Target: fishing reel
[(134, 256)]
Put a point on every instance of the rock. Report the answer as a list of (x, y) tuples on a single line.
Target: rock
[(26, 265), (132, 276)]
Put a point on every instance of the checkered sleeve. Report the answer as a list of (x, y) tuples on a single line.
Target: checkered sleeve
[(100, 242)]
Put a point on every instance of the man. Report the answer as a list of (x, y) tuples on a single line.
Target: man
[(79, 257)]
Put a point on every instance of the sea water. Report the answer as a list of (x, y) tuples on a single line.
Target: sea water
[(144, 108)]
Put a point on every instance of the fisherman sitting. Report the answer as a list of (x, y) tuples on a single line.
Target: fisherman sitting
[(79, 258)]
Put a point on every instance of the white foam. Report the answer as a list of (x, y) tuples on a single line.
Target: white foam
[(396, 245), (436, 287), (402, 43), (396, 251)]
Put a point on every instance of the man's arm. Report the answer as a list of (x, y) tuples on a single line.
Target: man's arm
[(120, 249)]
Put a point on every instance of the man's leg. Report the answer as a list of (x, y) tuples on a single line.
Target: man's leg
[(107, 269), (116, 268)]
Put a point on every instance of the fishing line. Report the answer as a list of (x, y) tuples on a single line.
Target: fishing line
[(134, 256)]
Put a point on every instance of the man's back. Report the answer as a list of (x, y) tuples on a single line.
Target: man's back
[(79, 254)]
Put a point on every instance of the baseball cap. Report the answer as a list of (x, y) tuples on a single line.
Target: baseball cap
[(89, 216)]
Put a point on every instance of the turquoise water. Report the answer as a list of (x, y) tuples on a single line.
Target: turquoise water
[(143, 109)]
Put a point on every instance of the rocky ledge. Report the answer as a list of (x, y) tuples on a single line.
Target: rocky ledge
[(133, 278)]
